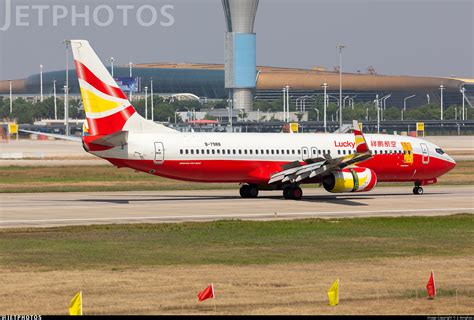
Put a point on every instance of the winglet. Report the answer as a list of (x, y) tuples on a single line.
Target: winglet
[(361, 144)]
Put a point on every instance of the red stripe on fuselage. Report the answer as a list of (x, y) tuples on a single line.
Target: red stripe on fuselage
[(386, 167), (85, 74)]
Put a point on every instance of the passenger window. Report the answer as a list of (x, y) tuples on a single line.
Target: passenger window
[(344, 152), (277, 151), (192, 151), (293, 151), (256, 151), (208, 151), (233, 151), (339, 152), (218, 151), (251, 151), (262, 151), (245, 151), (273, 151), (213, 151), (299, 151), (282, 151), (268, 151), (197, 151), (181, 151), (240, 151), (228, 151)]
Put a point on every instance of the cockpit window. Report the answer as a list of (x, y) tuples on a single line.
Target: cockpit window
[(440, 151)]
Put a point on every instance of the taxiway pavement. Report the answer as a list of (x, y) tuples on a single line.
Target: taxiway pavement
[(60, 209)]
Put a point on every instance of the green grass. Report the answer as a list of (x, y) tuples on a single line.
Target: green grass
[(106, 178), (15, 179), (235, 242)]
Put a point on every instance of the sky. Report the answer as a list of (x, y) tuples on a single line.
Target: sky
[(396, 37)]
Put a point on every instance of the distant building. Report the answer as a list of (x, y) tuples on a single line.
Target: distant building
[(208, 81)]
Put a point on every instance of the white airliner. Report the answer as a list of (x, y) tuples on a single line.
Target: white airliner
[(262, 161)]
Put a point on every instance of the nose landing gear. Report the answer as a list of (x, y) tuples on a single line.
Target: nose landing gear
[(418, 189)]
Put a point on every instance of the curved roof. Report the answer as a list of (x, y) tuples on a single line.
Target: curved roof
[(208, 80)]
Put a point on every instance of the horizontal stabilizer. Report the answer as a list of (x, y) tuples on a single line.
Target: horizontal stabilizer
[(116, 139), (53, 135)]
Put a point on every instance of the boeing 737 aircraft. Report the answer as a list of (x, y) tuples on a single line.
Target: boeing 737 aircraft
[(262, 161)]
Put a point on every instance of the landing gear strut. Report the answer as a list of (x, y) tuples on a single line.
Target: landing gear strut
[(249, 191), (293, 193), (417, 189)]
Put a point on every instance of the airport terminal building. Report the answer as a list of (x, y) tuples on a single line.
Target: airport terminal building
[(208, 81)]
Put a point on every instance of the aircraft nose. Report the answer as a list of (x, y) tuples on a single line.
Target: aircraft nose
[(450, 163)]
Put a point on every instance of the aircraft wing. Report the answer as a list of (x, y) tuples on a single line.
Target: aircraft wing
[(52, 135), (313, 168)]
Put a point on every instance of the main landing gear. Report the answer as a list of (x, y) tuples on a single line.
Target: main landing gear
[(292, 193), (249, 191), (417, 189)]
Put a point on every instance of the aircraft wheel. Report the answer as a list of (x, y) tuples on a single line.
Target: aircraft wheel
[(418, 190), (293, 193), (296, 193), (252, 191), (287, 193), (244, 191)]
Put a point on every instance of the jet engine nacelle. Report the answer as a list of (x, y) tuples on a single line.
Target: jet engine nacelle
[(350, 180)]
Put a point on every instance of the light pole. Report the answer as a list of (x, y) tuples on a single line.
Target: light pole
[(288, 103), (146, 103), (340, 47), (284, 104), (383, 104), (152, 104), (405, 104), (66, 113), (112, 60), (463, 91), (66, 89), (230, 110), (378, 112), (351, 101), (344, 101), (41, 82), (55, 102), (317, 113), (405, 101), (441, 87), (325, 87), (11, 97), (130, 64)]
